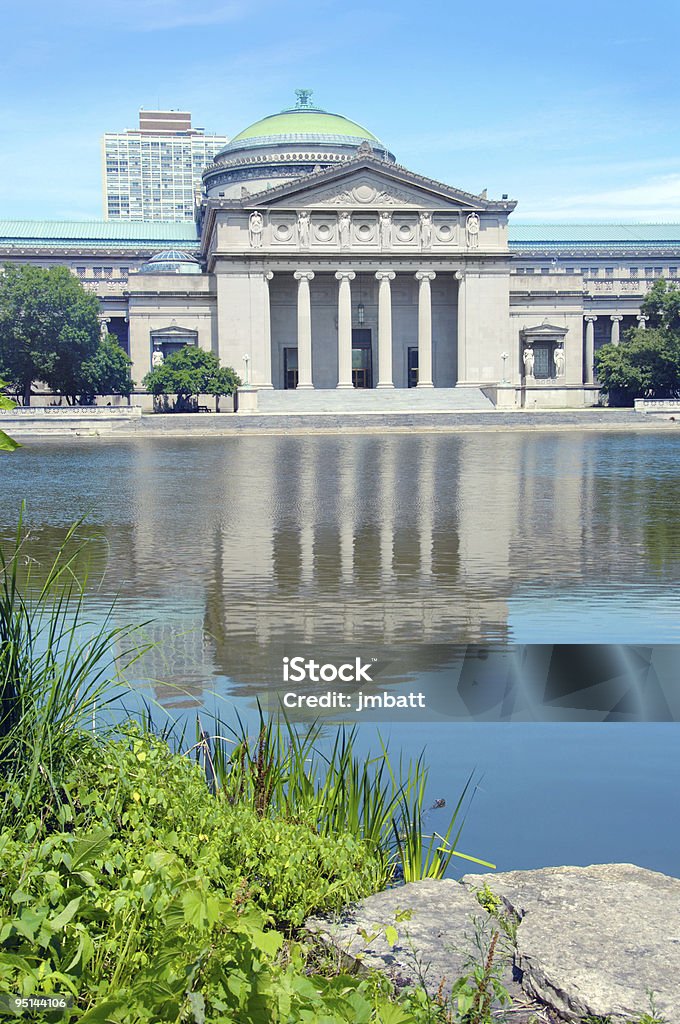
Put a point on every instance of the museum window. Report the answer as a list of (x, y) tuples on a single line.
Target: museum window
[(609, 271), (594, 271), (568, 270), (649, 271), (633, 271), (530, 270), (672, 271), (545, 270)]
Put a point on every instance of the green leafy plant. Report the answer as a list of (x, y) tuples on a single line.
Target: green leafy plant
[(480, 989), (7, 443)]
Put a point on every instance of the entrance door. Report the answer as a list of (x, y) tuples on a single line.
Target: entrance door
[(290, 368), (362, 368), (544, 366), (413, 367)]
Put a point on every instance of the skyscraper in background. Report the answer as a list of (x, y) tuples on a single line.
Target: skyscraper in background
[(152, 172)]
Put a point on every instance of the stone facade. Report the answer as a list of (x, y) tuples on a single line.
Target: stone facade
[(356, 274)]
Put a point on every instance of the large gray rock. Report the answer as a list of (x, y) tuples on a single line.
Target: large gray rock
[(595, 941), (433, 945)]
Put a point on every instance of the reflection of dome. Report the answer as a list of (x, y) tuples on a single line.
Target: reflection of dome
[(171, 261), (286, 145)]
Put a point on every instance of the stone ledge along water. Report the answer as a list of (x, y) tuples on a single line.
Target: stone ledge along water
[(591, 941)]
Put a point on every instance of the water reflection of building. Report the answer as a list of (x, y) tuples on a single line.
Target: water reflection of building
[(413, 544)]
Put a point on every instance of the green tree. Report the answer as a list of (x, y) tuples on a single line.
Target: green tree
[(48, 328), (107, 372), (189, 373), (7, 444), (224, 382), (647, 362)]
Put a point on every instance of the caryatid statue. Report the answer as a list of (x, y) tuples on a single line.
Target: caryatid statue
[(255, 228), (472, 231), (425, 230), (157, 357), (528, 360), (385, 230), (303, 229), (558, 358), (344, 224)]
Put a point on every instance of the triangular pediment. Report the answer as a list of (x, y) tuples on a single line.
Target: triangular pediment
[(367, 183), (544, 330)]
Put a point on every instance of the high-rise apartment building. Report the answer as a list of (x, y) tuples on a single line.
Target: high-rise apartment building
[(152, 172)]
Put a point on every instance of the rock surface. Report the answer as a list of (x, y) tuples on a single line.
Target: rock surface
[(433, 946), (595, 941), (592, 942)]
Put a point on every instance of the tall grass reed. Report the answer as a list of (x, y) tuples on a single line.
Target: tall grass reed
[(57, 669), (296, 773)]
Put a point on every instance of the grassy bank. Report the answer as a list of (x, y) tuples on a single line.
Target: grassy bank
[(157, 882)]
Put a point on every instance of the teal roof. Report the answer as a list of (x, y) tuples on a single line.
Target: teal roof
[(157, 235), (109, 232), (592, 233)]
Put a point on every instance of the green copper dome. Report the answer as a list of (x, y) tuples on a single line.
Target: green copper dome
[(305, 121), (303, 124), (284, 146)]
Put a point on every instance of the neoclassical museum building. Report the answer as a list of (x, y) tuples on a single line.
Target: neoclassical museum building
[(332, 278)]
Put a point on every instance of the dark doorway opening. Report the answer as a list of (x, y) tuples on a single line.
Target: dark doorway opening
[(362, 361), (413, 367), (290, 368)]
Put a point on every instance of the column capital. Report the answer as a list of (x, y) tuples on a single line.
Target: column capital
[(268, 275), (385, 275), (616, 318), (344, 275), (425, 275), (459, 275), (590, 319), (304, 275)]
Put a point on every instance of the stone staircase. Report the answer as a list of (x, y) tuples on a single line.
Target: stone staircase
[(361, 401)]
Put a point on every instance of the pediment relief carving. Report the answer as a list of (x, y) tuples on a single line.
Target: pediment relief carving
[(368, 192)]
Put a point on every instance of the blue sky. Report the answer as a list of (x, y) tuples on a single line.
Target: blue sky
[(570, 108)]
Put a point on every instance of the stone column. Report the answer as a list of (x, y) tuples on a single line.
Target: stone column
[(642, 319), (304, 328), (385, 328), (616, 320), (589, 361), (266, 382), (425, 328), (345, 327), (460, 341)]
